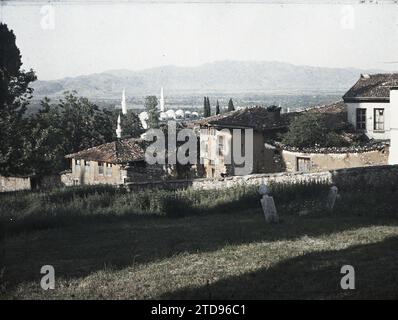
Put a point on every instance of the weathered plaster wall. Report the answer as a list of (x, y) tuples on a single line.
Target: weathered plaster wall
[(331, 161), (14, 184), (82, 174), (370, 106), (215, 165), (114, 175)]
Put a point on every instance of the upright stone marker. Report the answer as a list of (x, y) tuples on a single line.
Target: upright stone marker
[(268, 205), (332, 197)]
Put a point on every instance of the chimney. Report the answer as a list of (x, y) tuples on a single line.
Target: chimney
[(393, 154)]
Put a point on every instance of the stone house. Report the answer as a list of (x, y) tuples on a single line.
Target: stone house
[(216, 140), (316, 159), (118, 162), (368, 104)]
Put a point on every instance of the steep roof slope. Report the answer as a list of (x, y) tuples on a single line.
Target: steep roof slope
[(372, 87)]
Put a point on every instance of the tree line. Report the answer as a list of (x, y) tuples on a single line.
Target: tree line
[(207, 107), (36, 144)]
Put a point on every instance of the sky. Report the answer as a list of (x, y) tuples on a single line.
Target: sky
[(69, 39)]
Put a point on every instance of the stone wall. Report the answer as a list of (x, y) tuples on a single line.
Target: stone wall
[(374, 175), (14, 184)]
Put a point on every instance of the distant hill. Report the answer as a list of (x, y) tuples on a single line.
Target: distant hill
[(216, 77)]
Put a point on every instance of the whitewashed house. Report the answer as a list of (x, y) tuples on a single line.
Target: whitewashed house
[(368, 104)]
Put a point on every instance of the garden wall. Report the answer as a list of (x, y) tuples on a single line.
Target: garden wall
[(383, 176)]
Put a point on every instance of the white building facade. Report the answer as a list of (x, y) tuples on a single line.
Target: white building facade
[(371, 117), (368, 104), (393, 156)]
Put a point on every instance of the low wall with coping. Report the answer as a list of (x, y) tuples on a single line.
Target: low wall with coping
[(373, 175)]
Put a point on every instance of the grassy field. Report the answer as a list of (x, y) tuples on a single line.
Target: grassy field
[(225, 252)]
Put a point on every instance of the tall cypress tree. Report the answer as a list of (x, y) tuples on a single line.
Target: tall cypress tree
[(206, 107), (231, 105), (217, 108)]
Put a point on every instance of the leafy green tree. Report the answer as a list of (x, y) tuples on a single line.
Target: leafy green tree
[(310, 130), (217, 108), (83, 123), (131, 125), (72, 124), (231, 105), (14, 97), (151, 103), (44, 146)]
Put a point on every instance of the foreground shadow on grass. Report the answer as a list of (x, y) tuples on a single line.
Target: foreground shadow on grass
[(312, 276), (79, 250)]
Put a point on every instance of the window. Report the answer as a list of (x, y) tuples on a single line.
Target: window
[(109, 169), (220, 145), (361, 118), (86, 163), (378, 119), (77, 162), (303, 164), (100, 168)]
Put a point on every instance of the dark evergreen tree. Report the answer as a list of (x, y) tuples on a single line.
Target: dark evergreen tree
[(231, 105), (206, 107), (217, 108)]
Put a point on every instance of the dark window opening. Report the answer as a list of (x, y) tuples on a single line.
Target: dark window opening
[(378, 119), (100, 168), (361, 118), (303, 164)]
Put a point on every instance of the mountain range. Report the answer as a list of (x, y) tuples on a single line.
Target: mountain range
[(216, 77)]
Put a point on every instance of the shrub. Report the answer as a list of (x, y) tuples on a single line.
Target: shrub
[(312, 129)]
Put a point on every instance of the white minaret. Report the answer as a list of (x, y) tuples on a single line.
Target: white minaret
[(119, 128), (393, 154), (161, 100), (124, 106)]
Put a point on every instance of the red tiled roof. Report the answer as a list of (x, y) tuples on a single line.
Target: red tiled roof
[(120, 151)]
